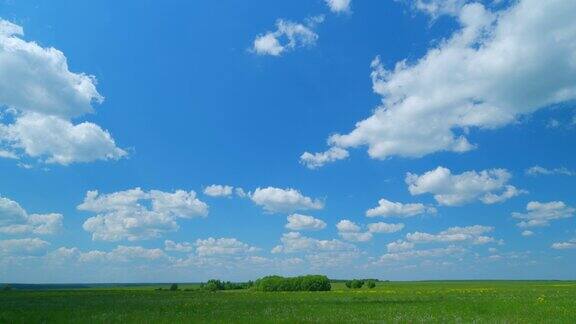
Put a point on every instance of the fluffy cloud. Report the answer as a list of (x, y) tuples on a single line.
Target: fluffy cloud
[(316, 160), (172, 246), (339, 6), (276, 200), (436, 8), (25, 246), (488, 186), (287, 36), (351, 231), (387, 208), (218, 190), (399, 246), (472, 80), (294, 242), (564, 245), (124, 215), (414, 254), (43, 96), (540, 214), (15, 220), (123, 254), (298, 222), (472, 234), (527, 233), (222, 246), (538, 170)]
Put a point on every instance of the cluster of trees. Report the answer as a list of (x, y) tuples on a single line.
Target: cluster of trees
[(301, 283), (357, 284), (214, 284)]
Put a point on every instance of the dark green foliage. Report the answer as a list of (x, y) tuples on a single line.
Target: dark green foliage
[(355, 284), (301, 283), (174, 287), (7, 288), (214, 285), (371, 284)]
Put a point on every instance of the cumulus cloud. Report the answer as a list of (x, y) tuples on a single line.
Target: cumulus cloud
[(436, 8), (351, 231), (25, 246), (387, 208), (472, 234), (399, 246), (298, 222), (316, 160), (538, 170), (43, 97), (295, 242), (541, 214), (488, 186), (415, 254), (277, 200), (564, 245), (527, 233), (15, 220), (287, 36), (339, 6), (222, 246), (172, 246), (125, 215), (218, 190), (122, 254), (471, 80)]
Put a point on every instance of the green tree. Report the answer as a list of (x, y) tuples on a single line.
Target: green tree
[(371, 284), (174, 287)]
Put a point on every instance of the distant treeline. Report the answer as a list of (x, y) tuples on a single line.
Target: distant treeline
[(301, 283)]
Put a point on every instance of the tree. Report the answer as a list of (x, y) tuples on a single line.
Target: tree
[(371, 284), (348, 284), (174, 287)]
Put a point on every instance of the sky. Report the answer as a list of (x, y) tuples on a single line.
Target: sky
[(146, 141)]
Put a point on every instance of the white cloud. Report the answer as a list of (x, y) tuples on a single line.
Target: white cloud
[(298, 222), (564, 245), (294, 242), (387, 208), (222, 246), (351, 231), (276, 200), (472, 80), (339, 6), (25, 246), (316, 160), (414, 254), (488, 186), (172, 246), (15, 220), (384, 228), (124, 215), (540, 214), (472, 234), (538, 170), (218, 190), (123, 254), (44, 96), (436, 8), (527, 233), (287, 36), (399, 246)]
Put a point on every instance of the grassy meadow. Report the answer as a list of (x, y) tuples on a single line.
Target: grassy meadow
[(404, 302)]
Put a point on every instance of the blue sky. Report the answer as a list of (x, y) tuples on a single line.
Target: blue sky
[(416, 139)]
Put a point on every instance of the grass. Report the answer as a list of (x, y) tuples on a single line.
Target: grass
[(404, 302)]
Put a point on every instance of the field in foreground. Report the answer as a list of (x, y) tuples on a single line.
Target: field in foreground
[(442, 302)]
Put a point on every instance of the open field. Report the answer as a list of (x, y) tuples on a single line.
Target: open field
[(441, 302)]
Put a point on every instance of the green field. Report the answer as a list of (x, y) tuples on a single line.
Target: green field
[(405, 302)]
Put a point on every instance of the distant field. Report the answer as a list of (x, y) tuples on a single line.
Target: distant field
[(440, 302)]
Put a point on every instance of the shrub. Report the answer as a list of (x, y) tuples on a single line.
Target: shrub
[(371, 284), (301, 283), (174, 287), (355, 284), (7, 288)]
